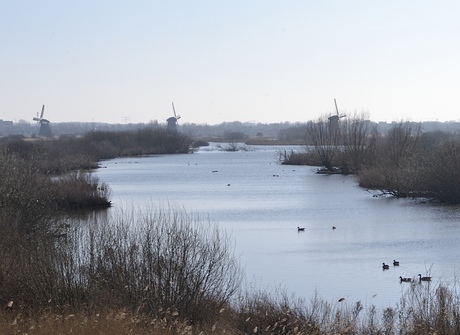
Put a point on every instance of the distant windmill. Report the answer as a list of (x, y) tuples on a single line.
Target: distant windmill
[(44, 129), (172, 121), (334, 119)]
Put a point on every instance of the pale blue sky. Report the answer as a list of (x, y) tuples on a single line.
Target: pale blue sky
[(265, 61)]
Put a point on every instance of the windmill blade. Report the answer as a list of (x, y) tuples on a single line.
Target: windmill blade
[(336, 109), (174, 110), (43, 111)]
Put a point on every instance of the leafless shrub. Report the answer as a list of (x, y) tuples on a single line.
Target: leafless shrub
[(157, 263), (82, 190), (308, 157), (440, 177), (26, 196), (324, 138)]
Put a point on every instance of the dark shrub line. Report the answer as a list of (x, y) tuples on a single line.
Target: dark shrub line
[(57, 156), (26, 167)]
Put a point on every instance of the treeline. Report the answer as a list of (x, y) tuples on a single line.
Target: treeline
[(54, 156), (403, 162)]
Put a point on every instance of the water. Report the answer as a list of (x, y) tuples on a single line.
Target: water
[(261, 203)]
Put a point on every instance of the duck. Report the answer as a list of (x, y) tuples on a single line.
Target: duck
[(395, 263), (424, 278), (385, 266), (334, 227), (300, 229), (405, 280)]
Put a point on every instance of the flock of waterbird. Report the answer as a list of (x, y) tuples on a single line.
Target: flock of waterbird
[(387, 267), (405, 279)]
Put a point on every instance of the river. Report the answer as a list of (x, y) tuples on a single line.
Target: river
[(260, 203)]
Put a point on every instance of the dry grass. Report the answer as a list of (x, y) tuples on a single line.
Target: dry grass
[(106, 322), (423, 310)]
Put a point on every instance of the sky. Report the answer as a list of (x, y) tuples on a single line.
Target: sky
[(219, 61)]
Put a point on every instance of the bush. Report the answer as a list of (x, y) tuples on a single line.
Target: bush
[(155, 263), (81, 190), (26, 196), (440, 178)]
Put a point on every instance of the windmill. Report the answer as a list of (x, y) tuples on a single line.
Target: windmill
[(334, 119), (44, 129), (172, 121)]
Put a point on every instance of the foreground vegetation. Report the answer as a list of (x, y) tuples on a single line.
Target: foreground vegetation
[(158, 271), (404, 162), (164, 271)]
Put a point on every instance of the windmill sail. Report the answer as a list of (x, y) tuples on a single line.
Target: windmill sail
[(41, 114)]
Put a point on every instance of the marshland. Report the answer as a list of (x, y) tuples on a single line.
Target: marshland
[(181, 266)]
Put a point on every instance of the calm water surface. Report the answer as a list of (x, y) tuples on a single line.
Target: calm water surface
[(261, 203)]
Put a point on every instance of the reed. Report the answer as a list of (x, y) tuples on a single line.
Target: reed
[(422, 310), (290, 157)]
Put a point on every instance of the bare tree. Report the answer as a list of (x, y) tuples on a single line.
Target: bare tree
[(396, 164), (441, 177), (324, 139), (401, 144), (358, 137)]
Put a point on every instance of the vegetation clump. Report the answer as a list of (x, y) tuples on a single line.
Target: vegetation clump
[(404, 162), (47, 176), (57, 156), (159, 264)]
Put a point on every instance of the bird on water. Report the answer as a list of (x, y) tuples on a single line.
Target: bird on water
[(424, 278)]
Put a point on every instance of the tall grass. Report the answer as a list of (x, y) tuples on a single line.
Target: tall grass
[(424, 309)]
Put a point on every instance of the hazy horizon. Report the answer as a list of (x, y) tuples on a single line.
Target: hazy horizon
[(261, 61)]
